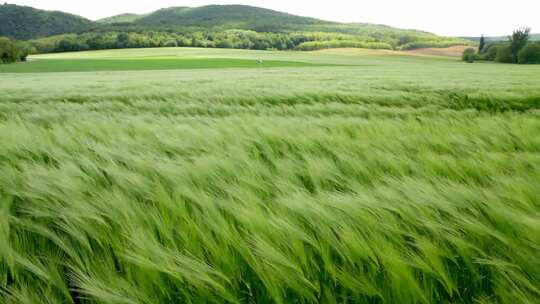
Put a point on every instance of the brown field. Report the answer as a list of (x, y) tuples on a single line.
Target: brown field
[(453, 51)]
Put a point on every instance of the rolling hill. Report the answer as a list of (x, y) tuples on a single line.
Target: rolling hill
[(225, 17), (228, 17), (206, 26), (23, 22), (219, 18)]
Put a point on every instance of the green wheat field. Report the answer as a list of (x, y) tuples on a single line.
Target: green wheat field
[(226, 176)]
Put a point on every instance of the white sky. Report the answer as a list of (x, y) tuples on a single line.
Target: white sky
[(450, 17)]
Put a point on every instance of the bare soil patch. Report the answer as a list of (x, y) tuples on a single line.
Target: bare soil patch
[(453, 51)]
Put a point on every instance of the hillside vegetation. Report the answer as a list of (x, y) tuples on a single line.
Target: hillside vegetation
[(213, 26), (227, 17), (22, 22), (219, 18)]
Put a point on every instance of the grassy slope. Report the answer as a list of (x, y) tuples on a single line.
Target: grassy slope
[(122, 18), (396, 180)]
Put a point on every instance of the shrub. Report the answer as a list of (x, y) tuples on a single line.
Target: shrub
[(470, 55), (12, 51), (490, 52), (529, 54), (504, 54)]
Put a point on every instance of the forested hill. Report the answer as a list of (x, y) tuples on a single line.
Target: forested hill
[(228, 17), (23, 22), (225, 26), (317, 33)]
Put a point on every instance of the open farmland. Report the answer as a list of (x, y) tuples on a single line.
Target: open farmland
[(339, 176)]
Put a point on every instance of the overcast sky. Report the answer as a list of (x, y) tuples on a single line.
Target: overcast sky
[(450, 17)]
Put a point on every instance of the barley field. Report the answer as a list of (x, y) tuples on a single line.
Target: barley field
[(339, 176)]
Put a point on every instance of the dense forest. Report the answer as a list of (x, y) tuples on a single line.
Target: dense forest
[(12, 51), (213, 26)]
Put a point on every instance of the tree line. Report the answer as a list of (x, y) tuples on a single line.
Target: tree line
[(234, 39), (238, 39), (518, 50), (12, 51)]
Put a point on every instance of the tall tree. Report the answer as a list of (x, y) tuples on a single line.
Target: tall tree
[(518, 40), (482, 44)]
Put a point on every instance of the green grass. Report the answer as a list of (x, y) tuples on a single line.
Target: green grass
[(93, 65), (384, 179)]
